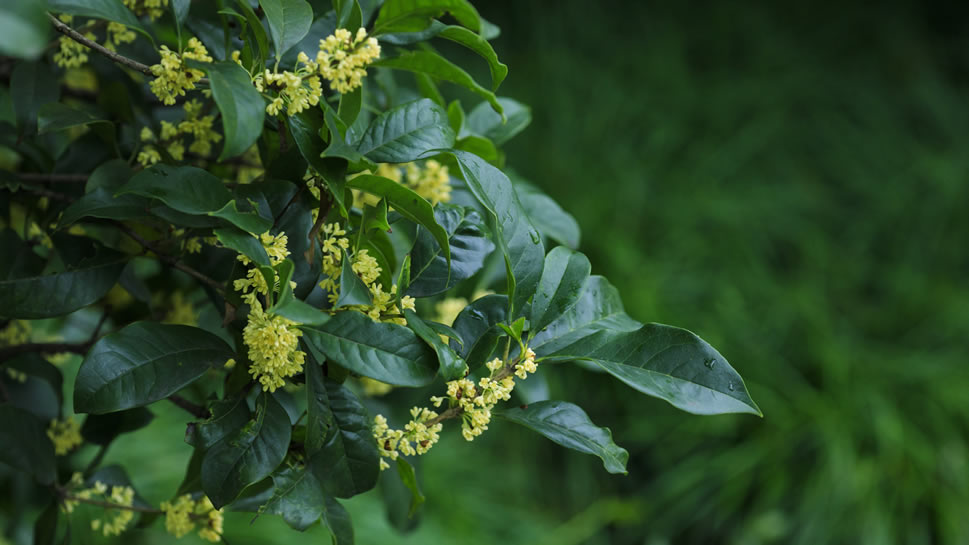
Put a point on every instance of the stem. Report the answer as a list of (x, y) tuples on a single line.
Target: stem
[(79, 38), (454, 412), (109, 505), (197, 411), (96, 461), (170, 260)]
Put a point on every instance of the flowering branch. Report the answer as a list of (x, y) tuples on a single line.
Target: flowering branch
[(79, 38), (170, 260)]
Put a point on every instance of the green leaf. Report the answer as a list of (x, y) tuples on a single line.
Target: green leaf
[(340, 446), (24, 29), (101, 429), (244, 243), (416, 15), (32, 85), (55, 116), (305, 128), (297, 497), (436, 66), (341, 144), (253, 223), (228, 415), (563, 279), (383, 351), (409, 478), (519, 241), (26, 446), (143, 363), (181, 8), (569, 426), (468, 244), (289, 21), (61, 293), (247, 455), (112, 10), (546, 215), (43, 390), (485, 122), (413, 130), (452, 366), (477, 325), (350, 105), (353, 291), (337, 520), (243, 108), (407, 203), (479, 45), (101, 203), (258, 32)]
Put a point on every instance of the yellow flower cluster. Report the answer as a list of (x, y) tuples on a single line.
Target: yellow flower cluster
[(182, 513), (343, 57), (16, 332), (195, 125), (71, 54), (118, 34), (417, 437), (374, 388), (181, 311), (116, 518), (430, 181), (297, 90), (172, 77), (273, 341), (152, 8), (65, 434)]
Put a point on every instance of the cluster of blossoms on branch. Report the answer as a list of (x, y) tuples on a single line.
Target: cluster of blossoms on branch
[(116, 518), (184, 513), (172, 76), (65, 434), (170, 136), (71, 54)]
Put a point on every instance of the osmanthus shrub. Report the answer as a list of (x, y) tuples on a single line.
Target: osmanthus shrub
[(269, 214)]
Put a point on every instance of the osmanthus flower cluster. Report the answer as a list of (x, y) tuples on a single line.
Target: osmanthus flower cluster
[(263, 225)]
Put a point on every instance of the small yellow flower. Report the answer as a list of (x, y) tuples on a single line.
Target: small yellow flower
[(172, 77), (343, 57), (65, 434)]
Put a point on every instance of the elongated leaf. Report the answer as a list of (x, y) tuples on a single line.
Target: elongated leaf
[(289, 21), (353, 291), (452, 365), (569, 426), (241, 105), (479, 45), (101, 429), (297, 497), (485, 122), (24, 29), (407, 203), (61, 293), (550, 219), (518, 239), (563, 279), (228, 415), (340, 446), (32, 85), (55, 116), (416, 15), (477, 326), (244, 243), (337, 520), (248, 221), (387, 352), (407, 132), (409, 478), (305, 128), (143, 363), (112, 10), (469, 247), (258, 32), (26, 446), (436, 66), (247, 455), (101, 203)]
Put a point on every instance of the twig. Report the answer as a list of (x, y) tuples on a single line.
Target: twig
[(109, 505), (454, 412), (79, 38), (170, 260), (197, 411), (44, 348), (325, 202)]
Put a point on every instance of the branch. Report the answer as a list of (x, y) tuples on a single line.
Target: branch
[(109, 505), (170, 260), (456, 411), (79, 38), (11, 352), (197, 411)]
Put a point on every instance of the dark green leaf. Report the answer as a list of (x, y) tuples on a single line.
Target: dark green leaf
[(42, 392), (253, 223), (353, 291), (305, 128), (477, 325), (452, 366), (485, 122), (350, 106), (228, 415), (468, 244), (55, 116), (297, 497), (407, 203), (519, 241), (563, 279), (548, 216), (26, 446), (243, 108), (31, 86), (181, 9), (479, 45), (341, 139), (248, 454), (341, 449), (258, 32), (24, 29), (569, 426), (337, 520), (436, 66), (416, 15), (383, 351), (244, 243), (407, 132), (112, 10), (101, 203), (143, 363), (101, 429), (409, 478), (110, 175), (289, 21)]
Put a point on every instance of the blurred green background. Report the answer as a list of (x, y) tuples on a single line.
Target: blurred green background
[(792, 184)]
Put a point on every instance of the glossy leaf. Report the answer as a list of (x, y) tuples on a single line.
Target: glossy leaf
[(248, 454), (337, 520), (340, 446), (413, 130), (479, 45), (289, 21), (305, 128), (416, 15), (55, 116), (546, 215), (519, 241), (407, 203), (241, 105), (353, 291), (469, 247), (26, 446), (32, 85), (483, 120), (383, 351), (569, 426), (563, 279), (244, 243), (297, 497), (228, 415), (477, 325), (101, 203), (452, 365), (436, 66), (143, 363), (409, 478), (112, 10), (24, 29), (101, 429)]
